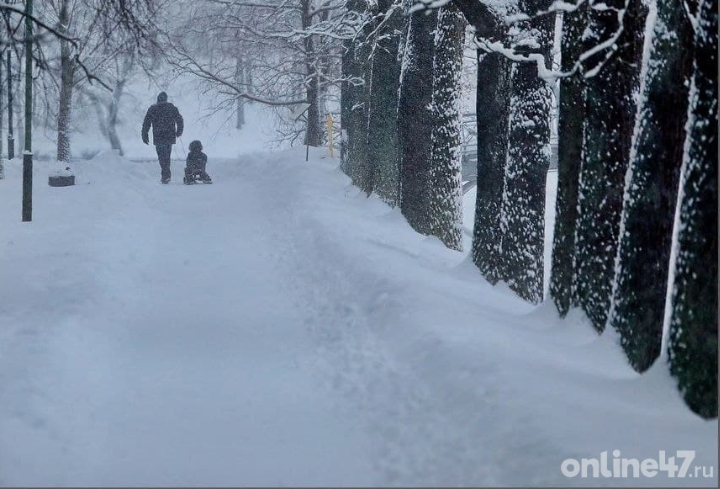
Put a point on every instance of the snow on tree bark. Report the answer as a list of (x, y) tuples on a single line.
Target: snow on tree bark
[(493, 99), (240, 79), (415, 119), (67, 80), (2, 111), (445, 203), (313, 133), (383, 102), (609, 123), (365, 168), (347, 97), (353, 97), (693, 328), (651, 187), (523, 206), (570, 134)]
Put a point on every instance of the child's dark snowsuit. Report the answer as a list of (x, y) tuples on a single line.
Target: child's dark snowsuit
[(195, 164)]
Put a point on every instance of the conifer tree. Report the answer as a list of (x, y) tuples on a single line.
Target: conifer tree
[(612, 80), (570, 129), (652, 181), (415, 118), (523, 205), (354, 98), (383, 101), (445, 204), (493, 100), (693, 328)]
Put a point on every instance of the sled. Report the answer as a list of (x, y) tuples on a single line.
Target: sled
[(195, 182)]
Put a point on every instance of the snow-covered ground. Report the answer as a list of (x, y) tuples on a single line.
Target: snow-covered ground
[(280, 328)]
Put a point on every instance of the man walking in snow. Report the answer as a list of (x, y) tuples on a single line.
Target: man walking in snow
[(167, 124)]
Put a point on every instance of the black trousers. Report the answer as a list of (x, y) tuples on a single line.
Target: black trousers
[(164, 150), (193, 170)]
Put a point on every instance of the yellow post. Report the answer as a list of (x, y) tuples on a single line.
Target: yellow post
[(330, 134)]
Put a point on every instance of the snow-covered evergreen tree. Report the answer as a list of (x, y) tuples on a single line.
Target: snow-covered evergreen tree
[(693, 328), (523, 205), (348, 92), (445, 204), (415, 118), (383, 100), (493, 98), (612, 76), (570, 129), (354, 104), (651, 185), (491, 107)]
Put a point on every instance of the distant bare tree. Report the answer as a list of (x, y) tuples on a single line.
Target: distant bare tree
[(278, 53)]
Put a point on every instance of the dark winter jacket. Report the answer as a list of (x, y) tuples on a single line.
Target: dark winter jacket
[(166, 122), (196, 160)]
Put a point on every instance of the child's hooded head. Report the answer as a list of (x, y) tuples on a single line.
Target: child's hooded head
[(196, 146)]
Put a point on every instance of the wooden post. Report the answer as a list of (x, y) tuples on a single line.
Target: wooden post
[(330, 134)]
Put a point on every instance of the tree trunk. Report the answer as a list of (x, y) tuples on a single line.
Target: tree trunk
[(364, 53), (113, 109), (415, 119), (248, 71), (324, 65), (240, 80), (383, 103), (570, 140), (240, 120), (651, 195), (609, 123), (355, 67), (313, 132), (445, 203), (693, 328), (493, 100), (346, 101), (2, 108), (67, 79), (364, 167), (523, 206)]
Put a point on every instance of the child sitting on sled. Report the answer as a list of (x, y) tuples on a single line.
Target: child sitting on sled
[(195, 165)]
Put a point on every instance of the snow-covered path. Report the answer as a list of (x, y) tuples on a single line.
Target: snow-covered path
[(279, 328)]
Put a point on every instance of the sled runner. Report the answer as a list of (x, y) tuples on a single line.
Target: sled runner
[(193, 179)]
